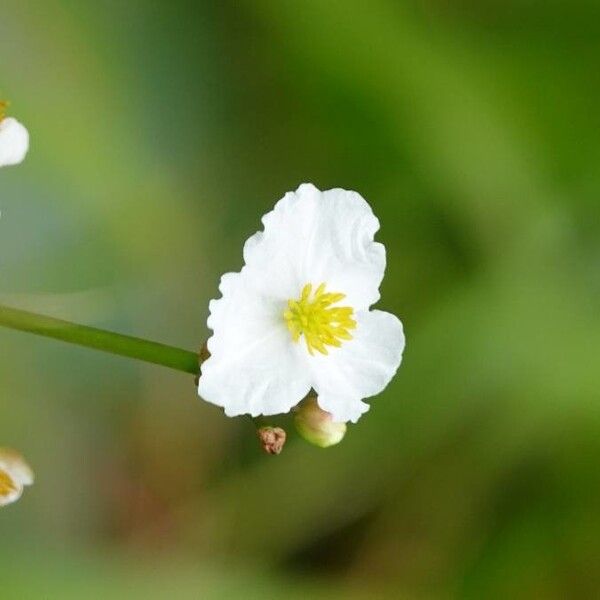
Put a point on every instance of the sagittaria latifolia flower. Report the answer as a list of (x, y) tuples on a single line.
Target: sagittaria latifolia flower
[(14, 139), (15, 474), (297, 316)]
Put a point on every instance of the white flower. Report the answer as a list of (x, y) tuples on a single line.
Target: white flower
[(14, 141), (15, 474), (297, 315)]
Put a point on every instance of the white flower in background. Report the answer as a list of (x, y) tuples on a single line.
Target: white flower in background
[(14, 139), (15, 474), (297, 315)]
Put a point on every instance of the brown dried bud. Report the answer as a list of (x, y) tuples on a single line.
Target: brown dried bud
[(203, 355), (272, 439)]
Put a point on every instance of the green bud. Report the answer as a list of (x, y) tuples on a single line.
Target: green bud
[(316, 426)]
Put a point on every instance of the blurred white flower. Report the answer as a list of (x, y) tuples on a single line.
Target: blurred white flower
[(297, 315), (15, 474), (14, 139)]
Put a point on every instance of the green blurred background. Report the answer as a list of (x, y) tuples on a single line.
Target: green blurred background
[(161, 132)]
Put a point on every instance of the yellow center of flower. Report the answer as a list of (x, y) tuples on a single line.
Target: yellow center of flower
[(7, 485), (314, 317), (3, 107)]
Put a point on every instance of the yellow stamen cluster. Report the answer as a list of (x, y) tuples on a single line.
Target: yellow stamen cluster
[(3, 107), (7, 484), (313, 317)]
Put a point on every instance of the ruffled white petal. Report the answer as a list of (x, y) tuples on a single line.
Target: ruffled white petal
[(314, 237), (14, 142), (361, 367), (254, 367)]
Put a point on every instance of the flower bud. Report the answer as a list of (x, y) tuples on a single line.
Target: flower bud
[(272, 439), (316, 425)]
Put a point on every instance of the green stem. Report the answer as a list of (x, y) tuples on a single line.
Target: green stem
[(100, 339)]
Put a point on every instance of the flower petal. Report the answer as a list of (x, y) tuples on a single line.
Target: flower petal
[(361, 367), (254, 367), (14, 142), (315, 237)]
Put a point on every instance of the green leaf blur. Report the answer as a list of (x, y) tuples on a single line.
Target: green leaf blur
[(161, 132)]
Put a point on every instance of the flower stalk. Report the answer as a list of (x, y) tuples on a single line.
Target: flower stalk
[(100, 339)]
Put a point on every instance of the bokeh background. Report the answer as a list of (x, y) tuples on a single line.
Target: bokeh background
[(161, 132)]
